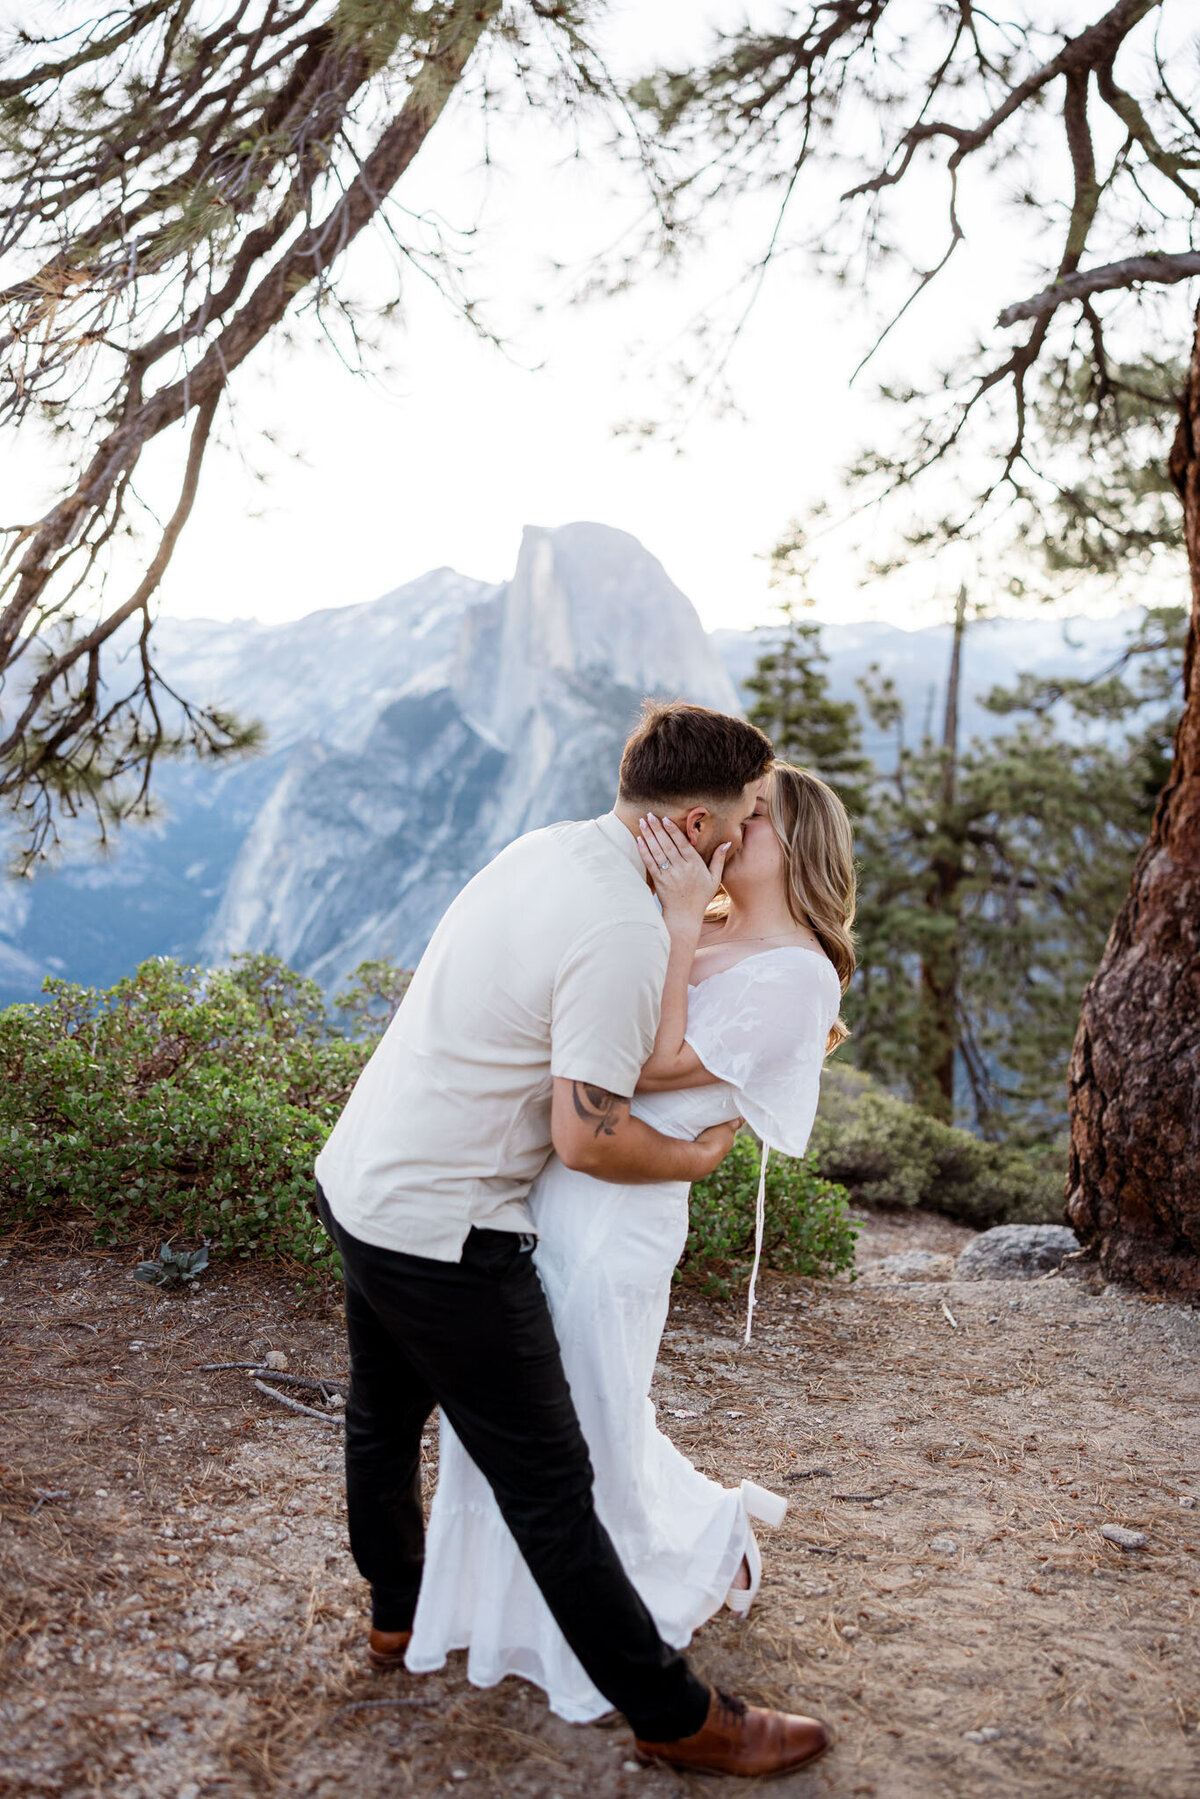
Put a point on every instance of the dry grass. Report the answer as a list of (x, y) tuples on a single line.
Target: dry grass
[(187, 1623)]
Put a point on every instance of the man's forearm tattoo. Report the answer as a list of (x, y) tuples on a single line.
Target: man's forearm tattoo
[(598, 1107)]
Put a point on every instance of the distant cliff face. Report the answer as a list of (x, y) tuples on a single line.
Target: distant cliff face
[(410, 739), (489, 712)]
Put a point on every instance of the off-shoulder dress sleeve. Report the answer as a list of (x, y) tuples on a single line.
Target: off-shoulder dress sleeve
[(762, 1025)]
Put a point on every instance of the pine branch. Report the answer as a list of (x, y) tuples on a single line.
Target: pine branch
[(1159, 267)]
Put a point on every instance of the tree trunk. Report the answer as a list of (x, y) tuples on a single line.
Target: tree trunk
[(1133, 1187), (939, 964)]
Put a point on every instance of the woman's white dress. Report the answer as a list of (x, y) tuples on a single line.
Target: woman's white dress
[(606, 1254)]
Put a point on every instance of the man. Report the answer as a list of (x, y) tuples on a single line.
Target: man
[(524, 1030)]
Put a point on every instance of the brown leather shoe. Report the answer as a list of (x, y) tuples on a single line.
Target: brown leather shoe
[(385, 1648), (737, 1738)]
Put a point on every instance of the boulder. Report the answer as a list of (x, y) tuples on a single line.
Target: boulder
[(1016, 1252)]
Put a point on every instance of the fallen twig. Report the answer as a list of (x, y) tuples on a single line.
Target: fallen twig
[(375, 1705), (863, 1496), (325, 1386), (296, 1405), (948, 1315), (809, 1474), (80, 1324)]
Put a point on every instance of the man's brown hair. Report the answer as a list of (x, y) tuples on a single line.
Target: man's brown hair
[(681, 752)]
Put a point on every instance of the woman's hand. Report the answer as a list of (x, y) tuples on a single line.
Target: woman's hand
[(684, 883)]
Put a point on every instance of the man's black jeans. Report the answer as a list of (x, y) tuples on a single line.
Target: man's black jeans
[(476, 1338)]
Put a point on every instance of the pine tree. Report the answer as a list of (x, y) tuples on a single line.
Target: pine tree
[(988, 884), (873, 109), (793, 706)]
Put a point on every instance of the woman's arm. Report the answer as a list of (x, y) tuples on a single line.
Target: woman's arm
[(685, 888), (674, 1063)]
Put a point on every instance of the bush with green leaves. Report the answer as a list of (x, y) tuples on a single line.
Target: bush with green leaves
[(195, 1101), (191, 1099), (808, 1226), (886, 1152), (372, 1000)]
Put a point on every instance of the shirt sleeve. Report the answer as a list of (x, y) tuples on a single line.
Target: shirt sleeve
[(606, 1004), (762, 1026)]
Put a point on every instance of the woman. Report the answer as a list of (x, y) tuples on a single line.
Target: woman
[(749, 1011)]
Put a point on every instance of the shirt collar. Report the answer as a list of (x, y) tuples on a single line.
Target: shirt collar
[(621, 838)]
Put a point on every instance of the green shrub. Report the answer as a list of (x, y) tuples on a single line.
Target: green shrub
[(808, 1228), (196, 1101), (373, 999), (192, 1099), (886, 1152)]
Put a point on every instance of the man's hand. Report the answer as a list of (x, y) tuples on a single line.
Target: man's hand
[(714, 1145)]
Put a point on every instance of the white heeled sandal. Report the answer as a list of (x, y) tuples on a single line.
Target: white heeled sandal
[(769, 1509)]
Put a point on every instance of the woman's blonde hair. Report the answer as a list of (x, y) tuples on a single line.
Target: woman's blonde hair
[(818, 847)]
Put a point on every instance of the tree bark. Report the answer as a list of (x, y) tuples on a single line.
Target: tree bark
[(1133, 1186), (940, 962)]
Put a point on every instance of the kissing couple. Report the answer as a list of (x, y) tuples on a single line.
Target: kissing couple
[(595, 1015)]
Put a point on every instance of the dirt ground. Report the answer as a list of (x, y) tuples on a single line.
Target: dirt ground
[(179, 1618)]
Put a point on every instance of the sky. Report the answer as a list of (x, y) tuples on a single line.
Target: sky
[(446, 458), (367, 482)]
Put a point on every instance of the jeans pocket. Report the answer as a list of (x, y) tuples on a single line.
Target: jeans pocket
[(496, 1252)]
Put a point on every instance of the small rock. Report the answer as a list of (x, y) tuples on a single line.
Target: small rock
[(275, 1358), (988, 1735), (204, 1671), (914, 1265), (1016, 1252), (337, 1402), (189, 1790), (631, 1767), (1187, 1501), (944, 1546), (228, 1669), (1124, 1539), (849, 1631)]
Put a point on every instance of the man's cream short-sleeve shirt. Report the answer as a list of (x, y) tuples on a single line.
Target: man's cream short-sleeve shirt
[(550, 962)]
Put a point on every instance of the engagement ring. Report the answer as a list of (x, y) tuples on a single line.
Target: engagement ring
[(664, 866)]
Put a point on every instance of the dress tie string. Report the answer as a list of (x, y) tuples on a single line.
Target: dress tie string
[(760, 1222)]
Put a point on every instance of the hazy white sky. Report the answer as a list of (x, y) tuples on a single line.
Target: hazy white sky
[(446, 458)]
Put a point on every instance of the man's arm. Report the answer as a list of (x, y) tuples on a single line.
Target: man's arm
[(595, 1133)]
